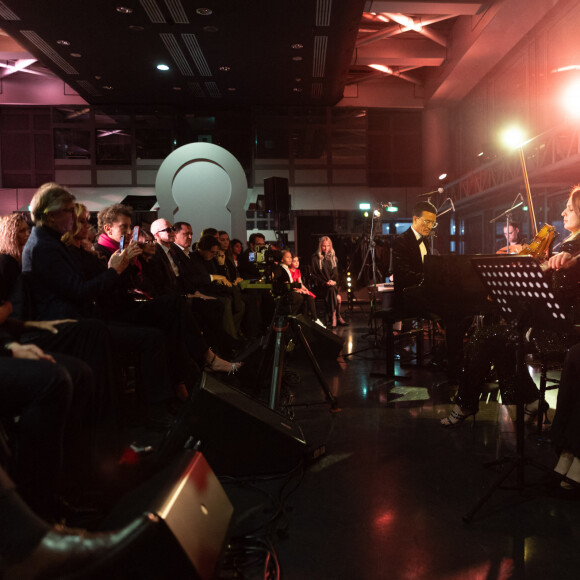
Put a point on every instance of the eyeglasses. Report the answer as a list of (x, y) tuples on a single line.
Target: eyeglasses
[(429, 223), (171, 229)]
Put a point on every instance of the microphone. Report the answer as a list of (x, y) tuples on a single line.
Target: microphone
[(438, 190)]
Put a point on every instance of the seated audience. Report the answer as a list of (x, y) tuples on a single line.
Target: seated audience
[(308, 295)]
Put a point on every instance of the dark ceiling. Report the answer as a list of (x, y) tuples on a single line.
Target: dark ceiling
[(231, 52)]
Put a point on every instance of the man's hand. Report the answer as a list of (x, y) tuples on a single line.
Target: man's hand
[(28, 351), (198, 294), (331, 283), (50, 325), (221, 280)]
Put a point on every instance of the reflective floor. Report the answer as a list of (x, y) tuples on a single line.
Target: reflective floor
[(387, 499)]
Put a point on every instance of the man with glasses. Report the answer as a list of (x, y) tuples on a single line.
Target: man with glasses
[(409, 251)]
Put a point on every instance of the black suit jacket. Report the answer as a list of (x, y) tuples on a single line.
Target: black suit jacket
[(160, 275), (407, 264), (190, 277)]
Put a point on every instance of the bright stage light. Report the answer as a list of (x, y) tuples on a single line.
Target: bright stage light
[(364, 206), (377, 213), (513, 137), (571, 99)]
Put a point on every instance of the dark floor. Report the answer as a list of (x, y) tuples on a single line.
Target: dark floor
[(387, 499)]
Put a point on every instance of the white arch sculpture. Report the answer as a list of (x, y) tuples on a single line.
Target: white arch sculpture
[(205, 185)]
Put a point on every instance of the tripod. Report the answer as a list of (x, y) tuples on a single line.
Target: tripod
[(514, 282), (276, 338)]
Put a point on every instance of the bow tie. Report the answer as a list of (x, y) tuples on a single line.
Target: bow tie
[(423, 240)]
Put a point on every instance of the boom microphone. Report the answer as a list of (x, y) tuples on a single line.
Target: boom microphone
[(438, 190)]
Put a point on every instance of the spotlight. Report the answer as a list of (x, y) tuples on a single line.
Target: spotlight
[(377, 213), (513, 137)]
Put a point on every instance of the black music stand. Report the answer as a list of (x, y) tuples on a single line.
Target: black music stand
[(523, 294)]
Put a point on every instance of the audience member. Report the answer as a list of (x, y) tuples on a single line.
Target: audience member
[(325, 275)]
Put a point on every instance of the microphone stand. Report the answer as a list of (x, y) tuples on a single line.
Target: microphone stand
[(508, 216)]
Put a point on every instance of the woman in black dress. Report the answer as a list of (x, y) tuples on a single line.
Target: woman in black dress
[(496, 344), (325, 275)]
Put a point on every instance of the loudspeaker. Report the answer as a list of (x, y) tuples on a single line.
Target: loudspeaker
[(238, 435), (323, 342), (189, 517), (276, 195)]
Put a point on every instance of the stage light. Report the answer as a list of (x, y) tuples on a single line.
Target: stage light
[(392, 208), (162, 67), (513, 137), (364, 205), (349, 295), (442, 176), (571, 99), (366, 214), (377, 213)]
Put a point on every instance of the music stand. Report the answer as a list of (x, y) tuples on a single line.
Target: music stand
[(523, 294)]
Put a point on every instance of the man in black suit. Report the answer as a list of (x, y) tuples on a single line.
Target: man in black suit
[(409, 251)]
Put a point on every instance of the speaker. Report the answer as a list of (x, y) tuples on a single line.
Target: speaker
[(323, 342), (239, 435), (276, 195), (189, 516)]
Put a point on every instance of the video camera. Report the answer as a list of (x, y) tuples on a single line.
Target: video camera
[(265, 258)]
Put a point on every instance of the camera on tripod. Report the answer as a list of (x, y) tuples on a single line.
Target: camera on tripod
[(265, 258)]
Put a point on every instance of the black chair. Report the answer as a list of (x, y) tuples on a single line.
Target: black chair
[(544, 362)]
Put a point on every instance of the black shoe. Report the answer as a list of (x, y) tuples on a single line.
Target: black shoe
[(64, 551), (342, 323)]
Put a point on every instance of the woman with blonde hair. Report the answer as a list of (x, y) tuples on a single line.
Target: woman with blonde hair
[(14, 232), (325, 275)]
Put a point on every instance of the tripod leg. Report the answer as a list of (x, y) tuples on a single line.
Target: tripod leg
[(278, 363), (329, 396), (469, 515)]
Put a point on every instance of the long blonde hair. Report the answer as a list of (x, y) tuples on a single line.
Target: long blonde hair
[(9, 225), (330, 254), (69, 237)]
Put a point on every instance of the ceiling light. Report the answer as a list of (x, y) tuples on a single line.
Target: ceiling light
[(76, 54), (224, 68), (297, 46), (176, 88), (298, 79), (204, 11), (162, 67), (124, 10), (297, 89), (63, 42), (232, 89), (108, 87), (297, 58), (382, 68)]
